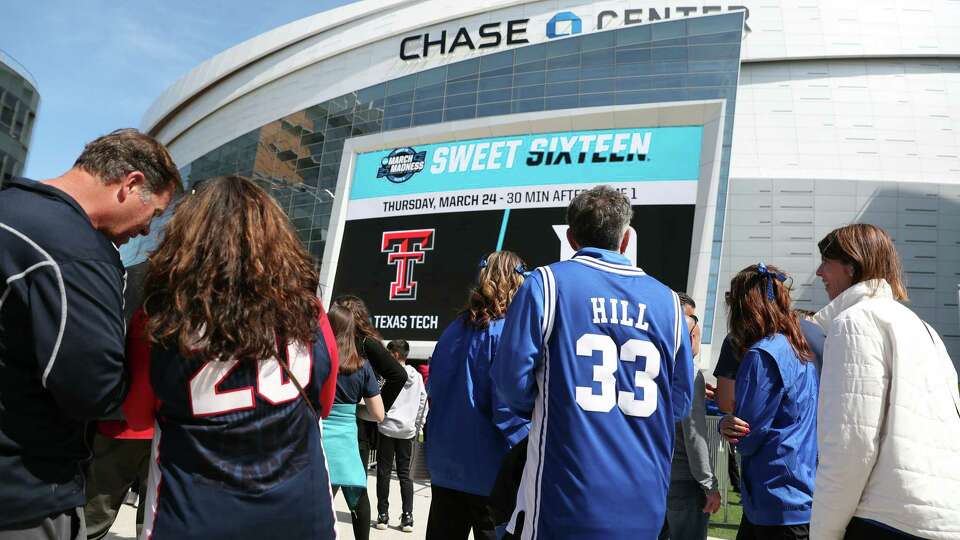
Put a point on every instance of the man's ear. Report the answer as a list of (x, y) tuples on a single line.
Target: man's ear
[(573, 243), (131, 182), (625, 241)]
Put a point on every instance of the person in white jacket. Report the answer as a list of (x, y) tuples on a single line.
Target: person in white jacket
[(889, 414), (397, 430)]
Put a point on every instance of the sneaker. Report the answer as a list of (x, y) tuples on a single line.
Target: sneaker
[(406, 522), (383, 520)]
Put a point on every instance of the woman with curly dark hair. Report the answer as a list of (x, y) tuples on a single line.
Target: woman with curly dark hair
[(233, 359), (363, 358), (775, 427), (470, 429)]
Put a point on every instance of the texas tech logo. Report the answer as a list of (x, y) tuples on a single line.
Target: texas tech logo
[(405, 250)]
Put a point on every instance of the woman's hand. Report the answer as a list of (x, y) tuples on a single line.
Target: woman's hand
[(733, 429)]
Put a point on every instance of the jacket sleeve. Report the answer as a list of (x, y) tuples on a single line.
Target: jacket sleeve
[(850, 412), (424, 408), (328, 388), (758, 389), (694, 429), (139, 408), (386, 366), (681, 387), (77, 320), (520, 352)]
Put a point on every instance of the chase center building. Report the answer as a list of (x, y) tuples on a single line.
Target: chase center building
[(405, 139)]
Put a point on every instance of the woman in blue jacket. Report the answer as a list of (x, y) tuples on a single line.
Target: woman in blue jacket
[(470, 429), (775, 422)]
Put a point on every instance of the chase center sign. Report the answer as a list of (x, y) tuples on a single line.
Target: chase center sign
[(519, 31)]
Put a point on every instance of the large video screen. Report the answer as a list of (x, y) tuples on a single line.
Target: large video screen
[(420, 218)]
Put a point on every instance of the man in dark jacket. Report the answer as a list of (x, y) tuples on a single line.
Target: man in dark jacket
[(61, 321)]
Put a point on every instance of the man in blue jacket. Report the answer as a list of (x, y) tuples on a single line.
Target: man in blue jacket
[(596, 352), (61, 321)]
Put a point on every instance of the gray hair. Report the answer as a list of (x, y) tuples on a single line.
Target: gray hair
[(597, 217)]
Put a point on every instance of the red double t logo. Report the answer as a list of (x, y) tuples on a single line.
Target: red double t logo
[(406, 249)]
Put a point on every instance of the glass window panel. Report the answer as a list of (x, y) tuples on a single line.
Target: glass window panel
[(571, 60), (600, 57), (493, 109), (562, 102), (460, 113), (525, 92), (461, 87), (401, 85), (496, 82), (662, 68), (496, 61), (312, 138), (461, 100), (625, 84), (427, 92), (497, 72), (6, 116), (339, 120), (561, 89), (596, 100), (431, 77), (528, 67), (632, 56), (650, 96), (706, 25), (398, 109), (398, 122), (399, 98), (667, 81), (714, 52), (431, 117), (527, 105), (562, 47), (526, 79), (599, 85), (710, 79), (714, 65), (598, 72), (332, 146), (463, 69), (633, 35), (338, 132), (597, 40), (563, 75), (724, 37), (675, 42), (369, 94), (492, 96), (670, 53), (672, 29), (428, 105), (530, 53)]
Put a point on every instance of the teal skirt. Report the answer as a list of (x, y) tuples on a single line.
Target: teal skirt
[(341, 447)]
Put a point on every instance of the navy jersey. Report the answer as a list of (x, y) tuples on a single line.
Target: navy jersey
[(236, 452), (598, 353)]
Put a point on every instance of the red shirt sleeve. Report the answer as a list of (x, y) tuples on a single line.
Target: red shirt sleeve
[(140, 406), (329, 387)]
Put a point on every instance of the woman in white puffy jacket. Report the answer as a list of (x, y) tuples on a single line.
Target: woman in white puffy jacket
[(889, 414)]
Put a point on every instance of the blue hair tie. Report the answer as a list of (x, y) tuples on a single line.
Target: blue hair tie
[(520, 268), (769, 276)]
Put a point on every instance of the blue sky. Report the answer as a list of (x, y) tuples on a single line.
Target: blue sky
[(101, 63)]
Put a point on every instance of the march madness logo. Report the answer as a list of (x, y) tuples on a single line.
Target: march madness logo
[(401, 164), (405, 250)]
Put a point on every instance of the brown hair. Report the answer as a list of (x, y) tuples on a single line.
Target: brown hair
[(350, 321), (870, 250), (229, 275), (753, 315), (598, 216), (121, 152), (500, 277)]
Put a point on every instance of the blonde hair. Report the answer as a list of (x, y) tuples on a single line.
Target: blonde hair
[(871, 252), (499, 280)]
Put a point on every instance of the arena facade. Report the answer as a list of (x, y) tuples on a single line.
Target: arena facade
[(407, 138)]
